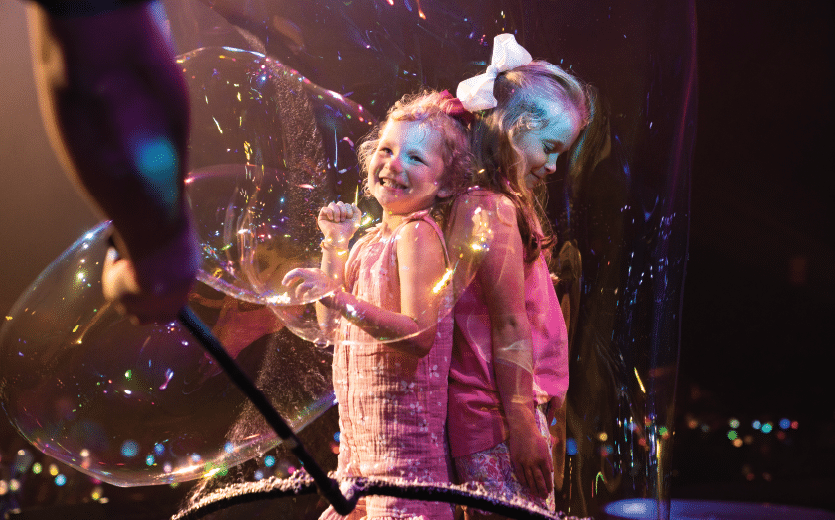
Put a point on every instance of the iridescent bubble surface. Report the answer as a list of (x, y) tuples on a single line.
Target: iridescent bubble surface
[(139, 405), (268, 149), (145, 405), (622, 215)]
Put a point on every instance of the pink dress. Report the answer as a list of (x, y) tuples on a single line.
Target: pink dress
[(476, 421), (392, 406)]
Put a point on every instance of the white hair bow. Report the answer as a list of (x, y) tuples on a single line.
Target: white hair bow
[(477, 93)]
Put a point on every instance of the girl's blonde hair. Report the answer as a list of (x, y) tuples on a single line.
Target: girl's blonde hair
[(500, 166), (439, 110)]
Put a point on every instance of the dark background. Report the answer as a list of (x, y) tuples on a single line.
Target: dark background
[(758, 297)]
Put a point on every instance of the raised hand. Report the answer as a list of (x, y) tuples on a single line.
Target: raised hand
[(339, 221)]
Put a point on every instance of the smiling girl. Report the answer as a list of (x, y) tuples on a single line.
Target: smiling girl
[(392, 394)]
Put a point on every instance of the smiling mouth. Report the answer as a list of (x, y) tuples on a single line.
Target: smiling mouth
[(391, 184)]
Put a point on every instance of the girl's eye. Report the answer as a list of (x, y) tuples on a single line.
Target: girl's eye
[(417, 158), (384, 150)]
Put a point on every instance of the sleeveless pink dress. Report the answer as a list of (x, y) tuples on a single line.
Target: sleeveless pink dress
[(392, 406)]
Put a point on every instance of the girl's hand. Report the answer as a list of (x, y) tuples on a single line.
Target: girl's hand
[(531, 457), (339, 221), (304, 283)]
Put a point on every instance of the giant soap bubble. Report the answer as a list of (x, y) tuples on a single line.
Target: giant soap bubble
[(622, 211), (622, 214), (139, 405), (260, 167), (268, 149), (145, 405)]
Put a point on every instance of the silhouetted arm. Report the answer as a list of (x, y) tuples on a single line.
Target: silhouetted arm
[(116, 108)]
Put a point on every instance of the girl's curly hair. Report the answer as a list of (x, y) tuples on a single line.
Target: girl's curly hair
[(441, 112)]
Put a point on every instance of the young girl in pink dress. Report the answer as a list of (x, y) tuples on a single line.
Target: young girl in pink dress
[(393, 395), (510, 356)]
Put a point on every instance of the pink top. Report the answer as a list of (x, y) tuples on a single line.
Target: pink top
[(392, 406), (475, 420)]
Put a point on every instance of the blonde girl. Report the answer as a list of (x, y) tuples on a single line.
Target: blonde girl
[(393, 394), (510, 357)]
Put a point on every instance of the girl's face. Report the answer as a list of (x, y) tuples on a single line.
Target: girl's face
[(540, 147), (407, 168)]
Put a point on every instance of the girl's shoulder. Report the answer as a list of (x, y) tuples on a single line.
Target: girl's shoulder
[(419, 227), (419, 241), (481, 203), (481, 194)]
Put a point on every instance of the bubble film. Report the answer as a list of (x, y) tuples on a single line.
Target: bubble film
[(145, 405), (621, 214), (139, 405), (269, 148), (621, 210)]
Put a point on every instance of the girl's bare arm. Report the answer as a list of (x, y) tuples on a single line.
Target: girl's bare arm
[(501, 275), (421, 265)]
